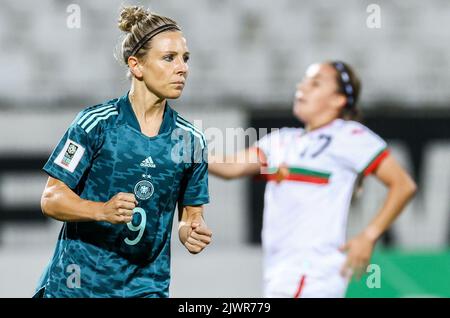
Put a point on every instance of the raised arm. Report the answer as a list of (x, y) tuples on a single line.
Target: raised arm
[(247, 162), (59, 202)]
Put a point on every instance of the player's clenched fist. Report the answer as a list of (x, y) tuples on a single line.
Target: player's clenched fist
[(119, 209), (199, 236)]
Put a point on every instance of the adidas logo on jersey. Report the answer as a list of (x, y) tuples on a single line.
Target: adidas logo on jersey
[(148, 163)]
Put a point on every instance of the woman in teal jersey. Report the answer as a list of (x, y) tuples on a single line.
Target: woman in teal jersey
[(115, 182)]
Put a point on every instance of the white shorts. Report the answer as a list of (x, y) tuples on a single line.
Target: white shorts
[(305, 286), (318, 280)]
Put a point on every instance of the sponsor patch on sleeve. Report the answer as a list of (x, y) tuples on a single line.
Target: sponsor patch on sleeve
[(70, 155)]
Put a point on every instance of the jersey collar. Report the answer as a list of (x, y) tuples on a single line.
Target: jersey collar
[(335, 123), (130, 118)]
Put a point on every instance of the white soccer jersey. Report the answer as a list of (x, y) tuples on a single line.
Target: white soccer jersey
[(305, 214)]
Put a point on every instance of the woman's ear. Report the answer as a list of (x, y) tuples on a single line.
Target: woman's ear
[(339, 101), (135, 67)]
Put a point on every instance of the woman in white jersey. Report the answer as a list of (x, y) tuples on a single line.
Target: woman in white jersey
[(312, 174)]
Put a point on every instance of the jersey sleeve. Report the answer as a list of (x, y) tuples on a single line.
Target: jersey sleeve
[(73, 155), (194, 188), (360, 149), (264, 145), (268, 145)]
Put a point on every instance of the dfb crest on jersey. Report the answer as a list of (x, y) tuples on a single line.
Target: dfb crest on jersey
[(144, 190)]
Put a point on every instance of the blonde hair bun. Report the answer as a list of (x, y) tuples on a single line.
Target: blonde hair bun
[(130, 16)]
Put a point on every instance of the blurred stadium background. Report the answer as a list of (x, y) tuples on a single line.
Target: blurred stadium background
[(246, 59)]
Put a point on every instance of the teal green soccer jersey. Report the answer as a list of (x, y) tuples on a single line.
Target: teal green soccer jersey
[(103, 153)]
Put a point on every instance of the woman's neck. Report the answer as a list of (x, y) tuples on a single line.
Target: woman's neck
[(145, 104), (314, 125)]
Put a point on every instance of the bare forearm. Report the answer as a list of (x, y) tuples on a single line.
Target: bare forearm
[(225, 170), (397, 198), (244, 163), (64, 205)]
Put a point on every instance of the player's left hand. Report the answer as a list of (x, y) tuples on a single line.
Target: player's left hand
[(199, 236), (359, 251)]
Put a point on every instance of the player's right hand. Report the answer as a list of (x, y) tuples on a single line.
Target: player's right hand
[(119, 209)]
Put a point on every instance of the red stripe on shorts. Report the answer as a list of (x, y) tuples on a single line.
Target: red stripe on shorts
[(301, 284)]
